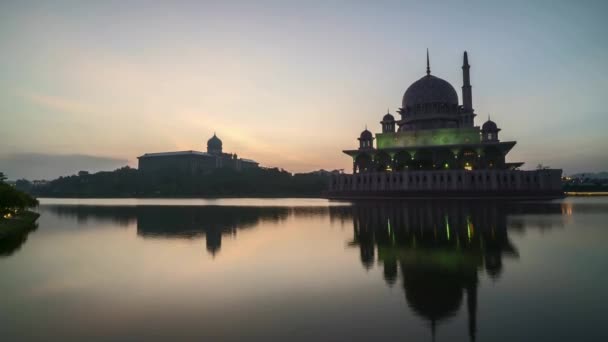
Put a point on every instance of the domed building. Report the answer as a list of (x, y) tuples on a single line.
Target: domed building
[(194, 162), (435, 147), (214, 145)]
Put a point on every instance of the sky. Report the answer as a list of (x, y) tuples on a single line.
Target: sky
[(91, 85)]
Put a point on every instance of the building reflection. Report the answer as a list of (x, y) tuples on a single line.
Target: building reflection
[(212, 222), (439, 249), (435, 250), (186, 222)]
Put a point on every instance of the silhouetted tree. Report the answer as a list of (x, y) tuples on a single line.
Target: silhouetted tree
[(12, 200)]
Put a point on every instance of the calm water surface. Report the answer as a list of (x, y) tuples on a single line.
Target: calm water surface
[(247, 269)]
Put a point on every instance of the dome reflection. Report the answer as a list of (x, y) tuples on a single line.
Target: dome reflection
[(438, 249)]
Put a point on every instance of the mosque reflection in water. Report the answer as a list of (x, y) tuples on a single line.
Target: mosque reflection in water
[(438, 248)]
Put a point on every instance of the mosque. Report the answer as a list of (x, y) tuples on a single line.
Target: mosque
[(194, 162), (435, 147)]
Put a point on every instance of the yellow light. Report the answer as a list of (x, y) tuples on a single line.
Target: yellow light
[(446, 165)]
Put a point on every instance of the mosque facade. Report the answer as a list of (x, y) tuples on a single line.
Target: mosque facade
[(194, 162), (435, 147)]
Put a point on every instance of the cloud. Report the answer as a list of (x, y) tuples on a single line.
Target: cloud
[(50, 166), (59, 104)]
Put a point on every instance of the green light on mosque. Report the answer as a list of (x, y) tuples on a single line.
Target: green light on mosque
[(447, 227), (446, 165), (435, 137), (469, 228)]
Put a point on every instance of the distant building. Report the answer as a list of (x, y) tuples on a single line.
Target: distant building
[(436, 148), (194, 161)]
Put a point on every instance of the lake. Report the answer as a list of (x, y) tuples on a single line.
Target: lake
[(308, 269)]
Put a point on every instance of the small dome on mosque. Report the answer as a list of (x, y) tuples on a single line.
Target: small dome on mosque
[(489, 126), (366, 135), (388, 117)]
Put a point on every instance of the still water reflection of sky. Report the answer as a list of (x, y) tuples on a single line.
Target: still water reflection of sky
[(308, 270)]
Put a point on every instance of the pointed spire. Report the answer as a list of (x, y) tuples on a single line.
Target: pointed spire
[(467, 94), (428, 64), (388, 111)]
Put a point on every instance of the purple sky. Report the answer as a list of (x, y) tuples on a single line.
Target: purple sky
[(289, 84)]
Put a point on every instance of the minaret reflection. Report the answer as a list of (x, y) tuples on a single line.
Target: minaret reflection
[(439, 249)]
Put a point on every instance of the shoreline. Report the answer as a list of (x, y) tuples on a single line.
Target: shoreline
[(20, 224)]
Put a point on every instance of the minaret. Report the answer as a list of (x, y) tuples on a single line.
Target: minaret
[(428, 65), (467, 101)]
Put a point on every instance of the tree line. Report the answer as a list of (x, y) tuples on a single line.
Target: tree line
[(129, 182)]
